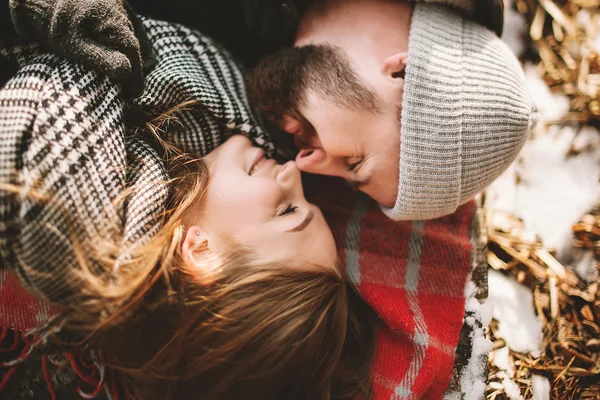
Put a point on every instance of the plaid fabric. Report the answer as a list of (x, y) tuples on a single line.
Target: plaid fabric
[(405, 271), (63, 130), (413, 274)]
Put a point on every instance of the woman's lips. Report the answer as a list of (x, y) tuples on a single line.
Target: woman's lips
[(258, 161)]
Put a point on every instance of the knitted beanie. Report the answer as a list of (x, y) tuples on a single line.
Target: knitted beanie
[(465, 113)]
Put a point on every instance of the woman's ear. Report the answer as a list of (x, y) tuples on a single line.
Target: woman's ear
[(394, 65), (194, 247)]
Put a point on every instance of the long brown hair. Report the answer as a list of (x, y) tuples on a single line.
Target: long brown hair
[(255, 330)]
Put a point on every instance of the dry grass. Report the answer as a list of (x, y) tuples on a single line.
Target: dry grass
[(568, 308), (562, 35)]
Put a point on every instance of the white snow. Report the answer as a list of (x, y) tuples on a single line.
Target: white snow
[(550, 187), (473, 379), (511, 389), (585, 20), (513, 308), (452, 396), (584, 264), (501, 359), (472, 390), (514, 28), (540, 387), (551, 106), (555, 189)]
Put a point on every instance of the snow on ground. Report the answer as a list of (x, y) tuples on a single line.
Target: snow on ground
[(473, 379), (517, 325), (501, 359), (549, 188), (511, 389), (513, 308), (551, 106), (554, 182), (541, 387), (514, 29), (556, 178)]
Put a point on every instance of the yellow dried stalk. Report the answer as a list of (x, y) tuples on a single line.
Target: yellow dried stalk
[(568, 308), (565, 33), (566, 36)]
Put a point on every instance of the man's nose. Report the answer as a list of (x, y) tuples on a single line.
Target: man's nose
[(317, 161)]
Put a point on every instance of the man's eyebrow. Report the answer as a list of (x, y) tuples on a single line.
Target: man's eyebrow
[(304, 223)]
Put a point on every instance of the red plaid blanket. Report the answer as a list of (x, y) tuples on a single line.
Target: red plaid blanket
[(412, 273)]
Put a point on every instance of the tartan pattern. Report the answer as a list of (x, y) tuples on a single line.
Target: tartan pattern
[(63, 129), (416, 343), (405, 270)]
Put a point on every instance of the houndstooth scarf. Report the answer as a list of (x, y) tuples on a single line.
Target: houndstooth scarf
[(63, 133)]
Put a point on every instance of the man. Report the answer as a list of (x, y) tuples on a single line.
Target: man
[(412, 104)]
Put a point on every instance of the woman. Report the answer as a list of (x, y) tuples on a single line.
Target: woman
[(238, 295), (188, 275)]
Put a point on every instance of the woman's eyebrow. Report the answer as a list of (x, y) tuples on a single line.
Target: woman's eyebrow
[(304, 223)]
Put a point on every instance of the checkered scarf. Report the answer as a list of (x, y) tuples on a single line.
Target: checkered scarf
[(63, 132)]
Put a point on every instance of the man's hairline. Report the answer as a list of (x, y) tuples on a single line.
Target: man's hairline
[(339, 51)]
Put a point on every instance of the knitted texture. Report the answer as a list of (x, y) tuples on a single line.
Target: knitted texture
[(465, 113), (63, 130), (64, 137), (97, 33)]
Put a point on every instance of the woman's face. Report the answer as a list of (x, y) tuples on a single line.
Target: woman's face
[(254, 202)]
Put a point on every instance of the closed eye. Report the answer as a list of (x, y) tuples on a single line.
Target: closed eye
[(289, 210), (355, 165), (357, 182)]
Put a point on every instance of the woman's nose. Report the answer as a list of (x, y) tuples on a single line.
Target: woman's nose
[(289, 174), (317, 161)]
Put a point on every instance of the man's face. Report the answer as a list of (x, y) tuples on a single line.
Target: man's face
[(359, 146), (339, 91)]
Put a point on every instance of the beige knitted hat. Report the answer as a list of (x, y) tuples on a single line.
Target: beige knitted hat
[(465, 113)]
